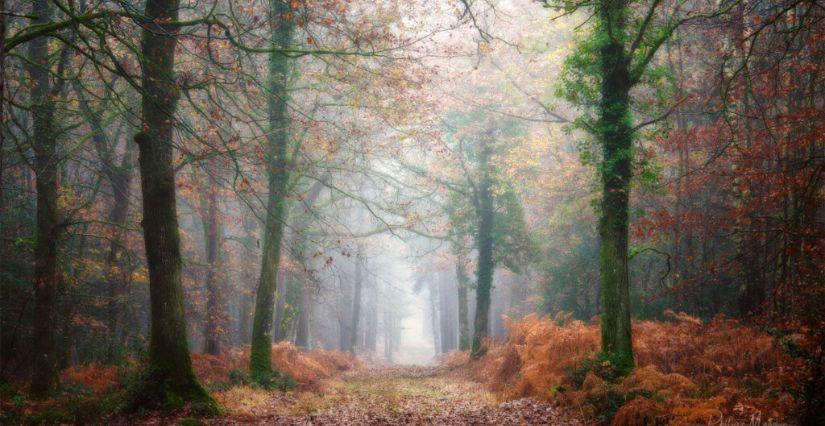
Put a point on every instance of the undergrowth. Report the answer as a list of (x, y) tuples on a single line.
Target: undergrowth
[(94, 392), (689, 372)]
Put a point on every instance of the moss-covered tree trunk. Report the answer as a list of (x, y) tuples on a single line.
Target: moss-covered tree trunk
[(2, 106), (463, 323), (278, 175), (615, 136), (484, 242), (46, 274), (169, 380), (215, 318)]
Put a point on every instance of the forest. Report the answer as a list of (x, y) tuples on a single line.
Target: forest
[(355, 212)]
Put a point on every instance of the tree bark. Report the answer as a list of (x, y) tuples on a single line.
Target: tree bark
[(277, 140), (2, 106), (615, 134), (46, 275), (170, 380), (215, 318), (484, 242), (463, 309)]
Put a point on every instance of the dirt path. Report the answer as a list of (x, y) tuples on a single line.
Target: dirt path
[(386, 396)]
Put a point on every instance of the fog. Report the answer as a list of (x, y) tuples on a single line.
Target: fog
[(247, 183)]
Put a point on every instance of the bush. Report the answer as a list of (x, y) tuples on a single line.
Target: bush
[(688, 371), (295, 368)]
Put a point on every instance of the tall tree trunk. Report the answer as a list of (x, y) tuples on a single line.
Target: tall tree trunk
[(389, 324), (344, 313), (215, 318), (371, 332), (245, 310), (356, 300), (615, 134), (6, 339), (46, 274), (170, 380), (432, 298), (277, 140), (2, 111), (463, 310), (302, 333), (446, 313), (484, 242)]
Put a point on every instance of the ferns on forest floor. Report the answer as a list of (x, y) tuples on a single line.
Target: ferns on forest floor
[(688, 371)]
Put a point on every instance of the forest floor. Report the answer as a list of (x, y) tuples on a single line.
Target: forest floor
[(381, 395)]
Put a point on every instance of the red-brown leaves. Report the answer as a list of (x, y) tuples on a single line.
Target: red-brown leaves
[(687, 371)]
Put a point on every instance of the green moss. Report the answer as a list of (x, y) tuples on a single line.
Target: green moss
[(157, 391), (273, 380)]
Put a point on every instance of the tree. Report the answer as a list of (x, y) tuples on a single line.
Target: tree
[(215, 321), (356, 298), (169, 379), (463, 285), (44, 142), (600, 76), (277, 139), (484, 208), (483, 202)]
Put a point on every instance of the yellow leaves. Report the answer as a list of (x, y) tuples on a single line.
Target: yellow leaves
[(140, 276)]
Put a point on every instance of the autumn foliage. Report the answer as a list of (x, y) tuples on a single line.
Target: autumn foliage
[(688, 371), (307, 369), (96, 377)]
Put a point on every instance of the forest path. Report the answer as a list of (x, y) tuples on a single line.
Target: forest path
[(387, 395)]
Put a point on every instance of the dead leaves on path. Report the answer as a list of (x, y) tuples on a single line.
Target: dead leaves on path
[(396, 395)]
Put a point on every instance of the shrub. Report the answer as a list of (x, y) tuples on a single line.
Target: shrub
[(295, 368), (688, 371)]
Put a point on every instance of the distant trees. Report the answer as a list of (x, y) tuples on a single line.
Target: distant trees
[(215, 324), (484, 209)]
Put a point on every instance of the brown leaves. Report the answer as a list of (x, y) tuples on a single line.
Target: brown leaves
[(723, 358)]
